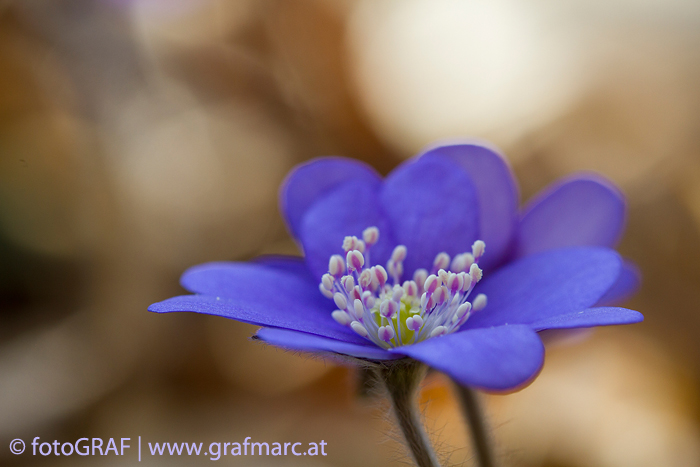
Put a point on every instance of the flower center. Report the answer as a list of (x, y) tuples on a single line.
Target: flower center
[(376, 305)]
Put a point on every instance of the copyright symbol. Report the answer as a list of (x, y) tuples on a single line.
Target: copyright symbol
[(17, 446)]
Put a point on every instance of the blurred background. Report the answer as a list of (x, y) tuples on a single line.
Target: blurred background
[(140, 137)]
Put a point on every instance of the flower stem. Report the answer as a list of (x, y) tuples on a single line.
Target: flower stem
[(477, 424), (402, 381)]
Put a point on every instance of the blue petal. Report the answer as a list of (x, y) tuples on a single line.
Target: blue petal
[(497, 194), (625, 286), (311, 343), (433, 207), (257, 294), (309, 182), (292, 264), (347, 210), (287, 316), (547, 284), (585, 210), (499, 358), (604, 316), (257, 282)]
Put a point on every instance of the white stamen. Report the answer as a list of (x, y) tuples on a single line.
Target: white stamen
[(462, 262), (366, 279), (385, 333), (327, 281), (349, 243), (381, 275), (355, 260), (455, 282), (348, 283), (440, 295), (432, 283), (427, 306), (478, 249), (442, 260), (341, 317), (479, 302), (399, 254), (419, 277), (359, 308), (388, 309), (324, 291), (359, 328), (336, 266), (397, 293), (414, 323), (410, 288), (340, 300), (476, 273), (370, 235)]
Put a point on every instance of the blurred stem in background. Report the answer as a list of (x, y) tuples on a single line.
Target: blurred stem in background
[(402, 381), (477, 425)]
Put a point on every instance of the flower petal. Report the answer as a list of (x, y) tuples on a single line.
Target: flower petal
[(585, 210), (292, 264), (312, 343), (547, 284), (625, 286), (256, 282), (308, 182), (433, 207), (603, 316), (347, 210), (498, 358), (290, 316), (497, 194)]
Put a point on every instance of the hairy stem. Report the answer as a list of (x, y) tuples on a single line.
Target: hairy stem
[(402, 381), (477, 424)]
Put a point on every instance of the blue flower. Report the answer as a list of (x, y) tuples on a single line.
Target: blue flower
[(436, 262)]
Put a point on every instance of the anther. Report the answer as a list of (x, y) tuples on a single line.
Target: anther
[(366, 279), (355, 260), (340, 300), (455, 282), (399, 254), (370, 235), (341, 317), (349, 243), (479, 302), (432, 283), (381, 275), (438, 331), (476, 273), (419, 277), (359, 328), (461, 262), (414, 323), (336, 266), (326, 293), (411, 288), (478, 249), (359, 308), (397, 293), (388, 308), (462, 310), (440, 295), (348, 283), (385, 333), (442, 261), (327, 281)]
